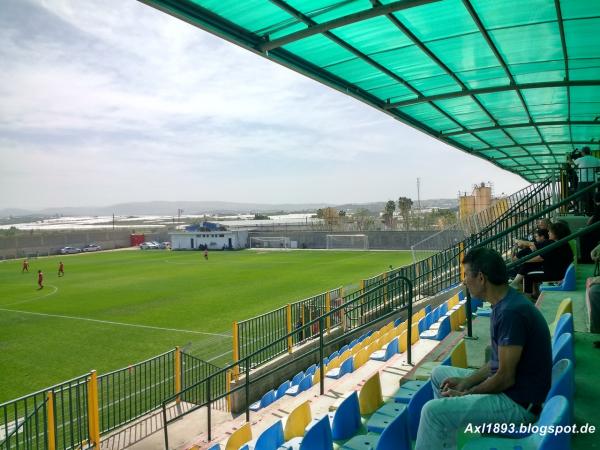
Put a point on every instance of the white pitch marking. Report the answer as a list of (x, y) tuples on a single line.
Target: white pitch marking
[(36, 298), (115, 323)]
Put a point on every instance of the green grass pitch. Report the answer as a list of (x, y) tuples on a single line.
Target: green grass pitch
[(112, 309)]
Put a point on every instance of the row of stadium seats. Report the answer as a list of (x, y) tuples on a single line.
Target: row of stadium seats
[(394, 424), (377, 345)]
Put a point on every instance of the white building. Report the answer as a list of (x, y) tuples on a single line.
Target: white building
[(214, 240)]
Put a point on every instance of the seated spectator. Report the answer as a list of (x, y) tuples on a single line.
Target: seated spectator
[(588, 241), (555, 262), (512, 386), (541, 239)]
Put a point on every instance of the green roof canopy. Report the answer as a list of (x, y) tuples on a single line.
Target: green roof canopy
[(511, 81)]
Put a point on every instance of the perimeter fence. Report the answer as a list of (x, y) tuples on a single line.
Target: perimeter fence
[(73, 414)]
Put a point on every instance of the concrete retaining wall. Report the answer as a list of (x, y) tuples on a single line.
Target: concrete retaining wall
[(49, 243), (378, 240)]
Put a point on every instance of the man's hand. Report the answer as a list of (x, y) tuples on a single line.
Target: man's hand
[(452, 393), (454, 384)]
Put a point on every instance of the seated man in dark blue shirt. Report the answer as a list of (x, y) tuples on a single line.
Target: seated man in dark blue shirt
[(512, 386)]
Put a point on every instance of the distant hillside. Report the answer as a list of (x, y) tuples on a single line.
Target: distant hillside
[(204, 207)]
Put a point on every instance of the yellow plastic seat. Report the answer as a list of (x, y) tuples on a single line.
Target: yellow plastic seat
[(400, 328), (239, 437), (317, 376), (454, 320), (360, 358), (458, 357), (453, 301), (297, 421), (369, 397), (345, 355), (565, 306), (414, 333), (403, 342), (372, 348), (333, 364)]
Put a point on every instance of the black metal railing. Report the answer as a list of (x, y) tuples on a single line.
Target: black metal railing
[(127, 394), (203, 393)]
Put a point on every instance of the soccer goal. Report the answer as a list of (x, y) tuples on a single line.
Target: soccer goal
[(347, 242), (270, 242)]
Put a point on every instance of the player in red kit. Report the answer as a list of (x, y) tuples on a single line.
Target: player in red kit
[(25, 266), (61, 269), (40, 279)]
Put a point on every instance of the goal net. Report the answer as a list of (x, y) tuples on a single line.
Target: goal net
[(347, 241), (270, 242)]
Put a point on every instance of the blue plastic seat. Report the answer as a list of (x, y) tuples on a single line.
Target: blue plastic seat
[(353, 343), (346, 367), (567, 283), (397, 322), (318, 437), (439, 334), (564, 325), (266, 400), (555, 412), (215, 447), (429, 319), (343, 349), (436, 315), (390, 350), (422, 324), (271, 438), (443, 309), (384, 416), (346, 419), (297, 378), (563, 383), (333, 356), (484, 312), (282, 388), (427, 309), (563, 348), (413, 385), (393, 437), (311, 370), (304, 385), (415, 406)]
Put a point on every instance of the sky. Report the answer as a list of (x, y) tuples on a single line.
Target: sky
[(112, 101)]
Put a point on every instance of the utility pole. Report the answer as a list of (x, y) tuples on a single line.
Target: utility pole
[(419, 203), (179, 212)]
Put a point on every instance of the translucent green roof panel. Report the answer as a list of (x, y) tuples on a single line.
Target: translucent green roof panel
[(513, 82)]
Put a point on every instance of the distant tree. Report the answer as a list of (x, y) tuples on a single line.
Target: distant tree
[(258, 216), (342, 213), (320, 213), (405, 206), (388, 212), (11, 231), (331, 216), (364, 219)]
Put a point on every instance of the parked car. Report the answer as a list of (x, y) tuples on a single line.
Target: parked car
[(92, 248), (69, 250), (164, 245), (150, 245)]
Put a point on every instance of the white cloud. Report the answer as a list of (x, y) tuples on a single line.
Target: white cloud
[(134, 104)]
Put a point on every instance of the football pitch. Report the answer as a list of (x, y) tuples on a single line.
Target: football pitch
[(113, 309)]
